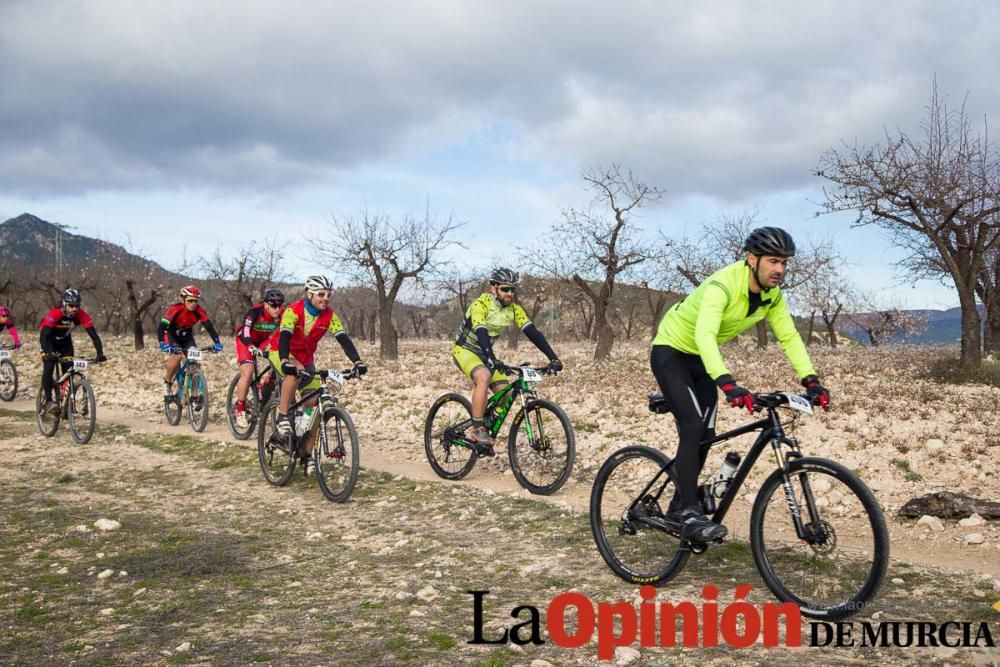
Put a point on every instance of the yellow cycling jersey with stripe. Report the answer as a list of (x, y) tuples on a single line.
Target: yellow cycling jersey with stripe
[(487, 311), (716, 312), (289, 319)]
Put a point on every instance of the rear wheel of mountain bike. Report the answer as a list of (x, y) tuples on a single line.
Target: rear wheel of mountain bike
[(336, 455), (82, 415), (450, 455), (8, 380), (275, 452), (837, 569), (632, 541), (172, 403), (251, 410), (197, 400), (48, 422), (542, 447)]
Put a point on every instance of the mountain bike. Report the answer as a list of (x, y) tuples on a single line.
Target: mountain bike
[(335, 453), (541, 444), (8, 375), (74, 402), (189, 389), (262, 384), (817, 534)]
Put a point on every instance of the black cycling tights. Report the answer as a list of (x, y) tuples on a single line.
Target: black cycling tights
[(692, 397), (49, 365)]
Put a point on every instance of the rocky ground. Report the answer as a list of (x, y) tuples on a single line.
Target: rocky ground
[(211, 565)]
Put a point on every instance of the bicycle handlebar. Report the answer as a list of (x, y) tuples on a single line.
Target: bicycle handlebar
[(517, 370)]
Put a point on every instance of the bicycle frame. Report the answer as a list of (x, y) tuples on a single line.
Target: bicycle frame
[(498, 406), (771, 431)]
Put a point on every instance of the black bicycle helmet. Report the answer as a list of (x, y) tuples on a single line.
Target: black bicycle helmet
[(274, 296), (71, 297), (770, 241), (502, 276)]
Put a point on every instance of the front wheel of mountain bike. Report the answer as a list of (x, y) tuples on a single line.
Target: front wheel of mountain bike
[(836, 567), (630, 494), (251, 410), (82, 414), (172, 403), (8, 380), (541, 447), (275, 452), (450, 454), (336, 455), (48, 421), (197, 400)]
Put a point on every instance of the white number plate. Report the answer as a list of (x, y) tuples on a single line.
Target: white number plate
[(194, 354), (79, 364), (4, 354), (531, 375), (335, 376), (796, 402)]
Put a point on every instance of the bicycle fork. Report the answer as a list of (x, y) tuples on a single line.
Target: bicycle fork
[(812, 533)]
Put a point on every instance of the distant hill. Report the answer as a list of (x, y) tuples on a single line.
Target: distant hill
[(944, 327), (29, 241)]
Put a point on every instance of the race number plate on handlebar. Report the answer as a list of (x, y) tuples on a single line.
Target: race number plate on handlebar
[(194, 354), (796, 402), (79, 364), (531, 375), (4, 354)]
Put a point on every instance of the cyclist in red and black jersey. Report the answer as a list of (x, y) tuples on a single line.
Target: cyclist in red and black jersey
[(7, 322), (56, 342), (252, 337), (175, 332)]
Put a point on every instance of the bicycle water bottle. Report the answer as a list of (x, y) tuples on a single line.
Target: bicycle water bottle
[(726, 473), (303, 422)]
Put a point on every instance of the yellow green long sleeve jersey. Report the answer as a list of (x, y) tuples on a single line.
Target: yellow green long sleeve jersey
[(716, 312)]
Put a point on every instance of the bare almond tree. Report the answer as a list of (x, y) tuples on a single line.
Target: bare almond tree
[(244, 274), (937, 195), (883, 321), (385, 254), (596, 247)]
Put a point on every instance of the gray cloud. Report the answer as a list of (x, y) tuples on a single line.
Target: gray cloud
[(722, 100)]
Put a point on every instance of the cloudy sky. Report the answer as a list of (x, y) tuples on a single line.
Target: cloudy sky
[(189, 124)]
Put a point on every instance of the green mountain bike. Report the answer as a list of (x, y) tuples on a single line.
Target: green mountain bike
[(541, 444)]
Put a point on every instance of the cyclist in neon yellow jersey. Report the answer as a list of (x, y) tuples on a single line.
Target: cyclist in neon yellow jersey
[(485, 319), (688, 365)]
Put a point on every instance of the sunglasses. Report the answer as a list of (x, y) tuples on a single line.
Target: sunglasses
[(507, 289), (70, 305), (275, 305), (190, 300), (321, 295)]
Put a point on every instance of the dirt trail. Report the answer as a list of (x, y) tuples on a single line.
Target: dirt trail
[(909, 543)]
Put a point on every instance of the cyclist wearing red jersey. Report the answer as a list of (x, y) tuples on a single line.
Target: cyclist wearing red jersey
[(175, 334), (7, 322), (252, 341), (293, 346), (56, 341)]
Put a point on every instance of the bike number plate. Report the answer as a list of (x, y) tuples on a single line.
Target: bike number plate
[(335, 376), (531, 375), (4, 354), (79, 364), (194, 354), (796, 402)]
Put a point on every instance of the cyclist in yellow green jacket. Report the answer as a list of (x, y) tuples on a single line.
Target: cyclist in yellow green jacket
[(688, 365), (486, 318)]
